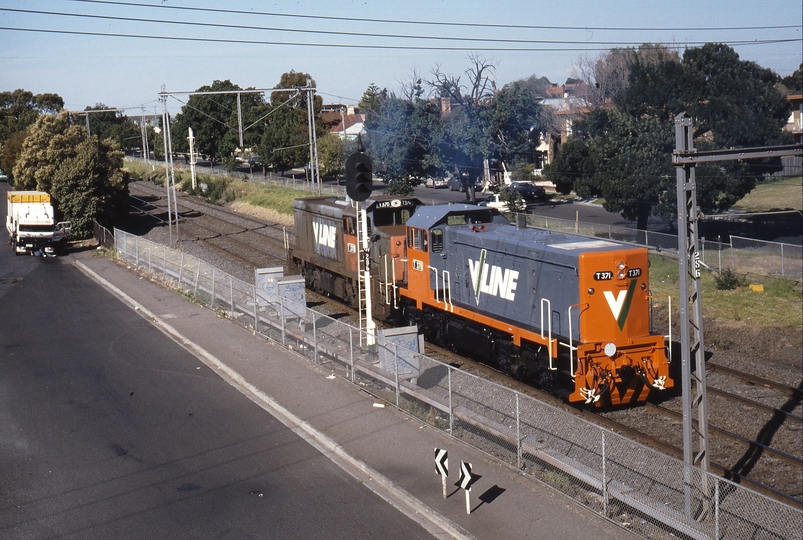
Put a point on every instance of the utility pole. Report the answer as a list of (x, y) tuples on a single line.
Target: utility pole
[(240, 120), (193, 160)]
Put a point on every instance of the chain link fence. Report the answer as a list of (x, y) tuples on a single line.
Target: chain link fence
[(742, 255), (645, 491)]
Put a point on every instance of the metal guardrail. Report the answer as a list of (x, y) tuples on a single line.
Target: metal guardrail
[(651, 494)]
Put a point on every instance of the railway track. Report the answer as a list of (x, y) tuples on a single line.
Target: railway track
[(755, 438), (243, 241)]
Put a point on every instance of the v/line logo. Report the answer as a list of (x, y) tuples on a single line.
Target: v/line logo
[(620, 305), (492, 279), (325, 234)]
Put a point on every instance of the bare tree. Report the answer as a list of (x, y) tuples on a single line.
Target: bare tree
[(481, 85), (607, 75)]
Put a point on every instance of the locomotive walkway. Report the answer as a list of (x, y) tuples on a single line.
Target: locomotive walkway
[(390, 452)]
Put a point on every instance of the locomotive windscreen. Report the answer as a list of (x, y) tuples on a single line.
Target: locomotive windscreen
[(385, 217)]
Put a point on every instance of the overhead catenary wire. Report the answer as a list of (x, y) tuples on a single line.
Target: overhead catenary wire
[(351, 33), (430, 23)]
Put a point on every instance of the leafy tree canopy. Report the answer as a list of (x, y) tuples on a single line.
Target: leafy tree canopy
[(284, 142), (114, 125), (210, 117), (83, 175), (19, 110), (466, 121), (624, 154), (794, 82)]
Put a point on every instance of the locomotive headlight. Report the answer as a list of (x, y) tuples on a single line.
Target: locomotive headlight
[(591, 290), (610, 350), (621, 265), (621, 274)]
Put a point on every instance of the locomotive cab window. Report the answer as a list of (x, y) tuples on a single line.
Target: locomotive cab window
[(350, 225), (437, 240), (417, 239)]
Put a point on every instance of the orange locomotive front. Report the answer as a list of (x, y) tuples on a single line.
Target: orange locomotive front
[(616, 347)]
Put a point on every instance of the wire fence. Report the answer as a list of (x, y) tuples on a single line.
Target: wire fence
[(741, 255), (653, 495)]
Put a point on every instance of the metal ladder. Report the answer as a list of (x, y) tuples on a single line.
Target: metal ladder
[(361, 263)]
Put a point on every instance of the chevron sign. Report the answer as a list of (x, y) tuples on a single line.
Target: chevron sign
[(441, 462)]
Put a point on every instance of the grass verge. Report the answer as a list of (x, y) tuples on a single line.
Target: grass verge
[(778, 305), (784, 193)]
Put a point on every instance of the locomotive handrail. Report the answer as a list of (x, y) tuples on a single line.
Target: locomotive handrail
[(437, 289), (388, 284), (395, 287), (572, 348), (549, 322), (447, 289), (669, 318)]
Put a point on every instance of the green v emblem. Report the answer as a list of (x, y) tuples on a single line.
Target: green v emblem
[(620, 305)]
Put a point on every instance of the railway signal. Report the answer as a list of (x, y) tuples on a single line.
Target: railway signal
[(359, 181), (442, 466)]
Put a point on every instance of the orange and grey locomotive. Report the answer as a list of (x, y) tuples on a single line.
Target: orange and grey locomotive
[(568, 312)]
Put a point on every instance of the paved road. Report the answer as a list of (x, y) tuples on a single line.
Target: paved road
[(108, 429)]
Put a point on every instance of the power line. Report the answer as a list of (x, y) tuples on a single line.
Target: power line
[(328, 32), (357, 46), (432, 23)]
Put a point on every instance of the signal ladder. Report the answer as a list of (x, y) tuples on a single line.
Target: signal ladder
[(363, 292)]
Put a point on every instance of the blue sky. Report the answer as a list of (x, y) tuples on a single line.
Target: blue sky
[(129, 72)]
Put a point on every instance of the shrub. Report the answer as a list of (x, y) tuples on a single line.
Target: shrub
[(728, 280)]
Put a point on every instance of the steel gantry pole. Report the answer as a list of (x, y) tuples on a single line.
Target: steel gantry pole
[(685, 158), (691, 323)]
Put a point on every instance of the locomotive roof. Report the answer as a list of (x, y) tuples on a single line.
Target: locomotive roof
[(427, 217)]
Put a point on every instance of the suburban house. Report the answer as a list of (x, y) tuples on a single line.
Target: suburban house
[(345, 121)]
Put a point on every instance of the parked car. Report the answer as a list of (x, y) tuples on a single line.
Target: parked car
[(528, 191), (436, 183), (457, 183), (494, 200)]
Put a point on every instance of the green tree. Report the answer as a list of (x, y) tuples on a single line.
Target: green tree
[(114, 125), (332, 154), (83, 175), (404, 135), (209, 116), (515, 120), (285, 137), (794, 82), (624, 154), (18, 111)]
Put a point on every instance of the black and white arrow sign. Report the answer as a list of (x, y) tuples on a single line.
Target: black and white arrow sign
[(465, 481), (465, 475), (441, 462)]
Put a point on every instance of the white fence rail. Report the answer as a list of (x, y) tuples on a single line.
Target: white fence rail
[(742, 255), (658, 496)]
